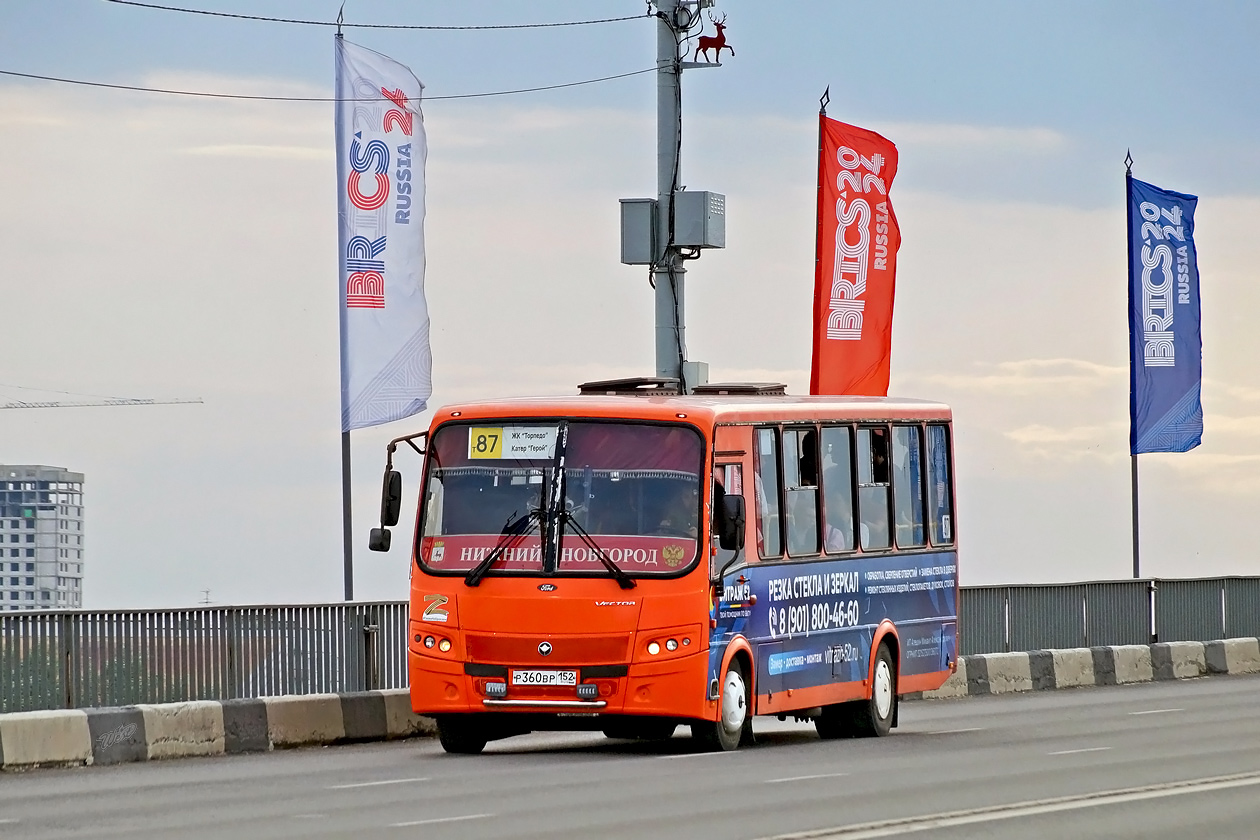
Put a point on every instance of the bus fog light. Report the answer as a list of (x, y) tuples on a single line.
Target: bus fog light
[(672, 644), (654, 648), (587, 691), (496, 689), (444, 645), (429, 641)]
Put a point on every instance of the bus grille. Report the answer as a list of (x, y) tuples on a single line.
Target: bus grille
[(565, 650)]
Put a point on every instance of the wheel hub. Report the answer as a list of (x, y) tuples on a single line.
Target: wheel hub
[(734, 703)]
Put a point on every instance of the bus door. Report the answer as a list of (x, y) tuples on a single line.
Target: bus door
[(728, 613)]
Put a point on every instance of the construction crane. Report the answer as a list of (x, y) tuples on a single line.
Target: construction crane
[(105, 402)]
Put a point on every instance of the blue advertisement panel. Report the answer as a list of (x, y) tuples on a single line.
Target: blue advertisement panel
[(1165, 345), (813, 623)]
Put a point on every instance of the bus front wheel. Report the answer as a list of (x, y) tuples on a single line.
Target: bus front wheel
[(734, 723), (460, 737)]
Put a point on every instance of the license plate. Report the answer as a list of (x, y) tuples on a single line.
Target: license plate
[(534, 677)]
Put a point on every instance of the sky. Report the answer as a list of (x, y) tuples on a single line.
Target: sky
[(177, 247)]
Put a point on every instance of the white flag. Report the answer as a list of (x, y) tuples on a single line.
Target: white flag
[(386, 366)]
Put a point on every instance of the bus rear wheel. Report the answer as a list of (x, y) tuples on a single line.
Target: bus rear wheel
[(865, 718), (873, 718), (734, 723), (459, 736)]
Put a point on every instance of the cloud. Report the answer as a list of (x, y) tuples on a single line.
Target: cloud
[(955, 137), (1028, 376), (260, 151)]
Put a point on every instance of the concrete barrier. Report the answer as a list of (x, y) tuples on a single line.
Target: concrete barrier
[(296, 720), (955, 686), (171, 730), (1133, 664), (41, 739), (1002, 673), (1073, 667), (179, 730), (1178, 660)]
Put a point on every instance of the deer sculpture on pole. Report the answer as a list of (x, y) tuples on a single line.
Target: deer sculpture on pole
[(715, 42)]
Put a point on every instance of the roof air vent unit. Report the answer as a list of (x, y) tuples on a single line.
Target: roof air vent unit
[(743, 389), (635, 386)]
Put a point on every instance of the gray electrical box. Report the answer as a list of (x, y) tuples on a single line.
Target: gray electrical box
[(638, 231), (700, 219)]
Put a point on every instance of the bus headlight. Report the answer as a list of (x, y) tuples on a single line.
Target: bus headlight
[(653, 648), (672, 644)]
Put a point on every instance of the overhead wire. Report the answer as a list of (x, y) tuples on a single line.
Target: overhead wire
[(211, 95), (306, 22)]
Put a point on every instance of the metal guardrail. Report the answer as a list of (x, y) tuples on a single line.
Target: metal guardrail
[(997, 619), (68, 659)]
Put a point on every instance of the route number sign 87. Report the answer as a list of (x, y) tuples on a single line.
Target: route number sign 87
[(485, 443)]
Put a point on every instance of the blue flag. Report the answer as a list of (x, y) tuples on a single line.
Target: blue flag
[(1165, 343)]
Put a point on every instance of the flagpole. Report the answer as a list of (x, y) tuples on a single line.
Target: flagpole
[(1128, 205), (822, 112), (347, 540)]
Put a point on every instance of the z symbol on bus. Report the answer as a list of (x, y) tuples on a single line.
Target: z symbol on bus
[(434, 611)]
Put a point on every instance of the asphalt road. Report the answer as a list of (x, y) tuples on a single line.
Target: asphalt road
[(1158, 760)]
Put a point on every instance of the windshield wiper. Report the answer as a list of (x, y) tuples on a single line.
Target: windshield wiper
[(512, 531), (623, 580)]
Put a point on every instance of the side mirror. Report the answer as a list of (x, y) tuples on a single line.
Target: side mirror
[(379, 539), (391, 497), (731, 524)]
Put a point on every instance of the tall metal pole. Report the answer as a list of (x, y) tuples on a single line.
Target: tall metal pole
[(347, 541), (1128, 235), (667, 272)]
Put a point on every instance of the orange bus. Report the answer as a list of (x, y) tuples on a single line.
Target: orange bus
[(629, 561)]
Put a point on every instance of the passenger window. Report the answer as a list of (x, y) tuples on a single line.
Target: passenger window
[(939, 485), (872, 468), (837, 488), (766, 488), (728, 479), (907, 481), (800, 479)]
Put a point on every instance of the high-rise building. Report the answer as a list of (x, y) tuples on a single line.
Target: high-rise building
[(41, 538)]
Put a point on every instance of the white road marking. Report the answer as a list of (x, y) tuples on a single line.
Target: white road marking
[(309, 817), (949, 819), (1157, 711), (955, 731), (805, 778), (375, 784), (9, 821), (440, 820), (1085, 750)]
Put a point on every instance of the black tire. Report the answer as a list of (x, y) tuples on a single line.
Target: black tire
[(734, 723), (459, 736), (873, 718), (836, 721)]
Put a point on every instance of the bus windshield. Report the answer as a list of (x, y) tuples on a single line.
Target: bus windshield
[(634, 488)]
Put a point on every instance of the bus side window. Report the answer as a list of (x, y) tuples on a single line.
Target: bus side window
[(766, 488), (728, 479), (939, 495), (433, 510), (837, 488), (800, 479), (873, 487), (907, 481)]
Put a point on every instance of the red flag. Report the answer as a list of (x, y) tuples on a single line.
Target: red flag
[(855, 261)]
